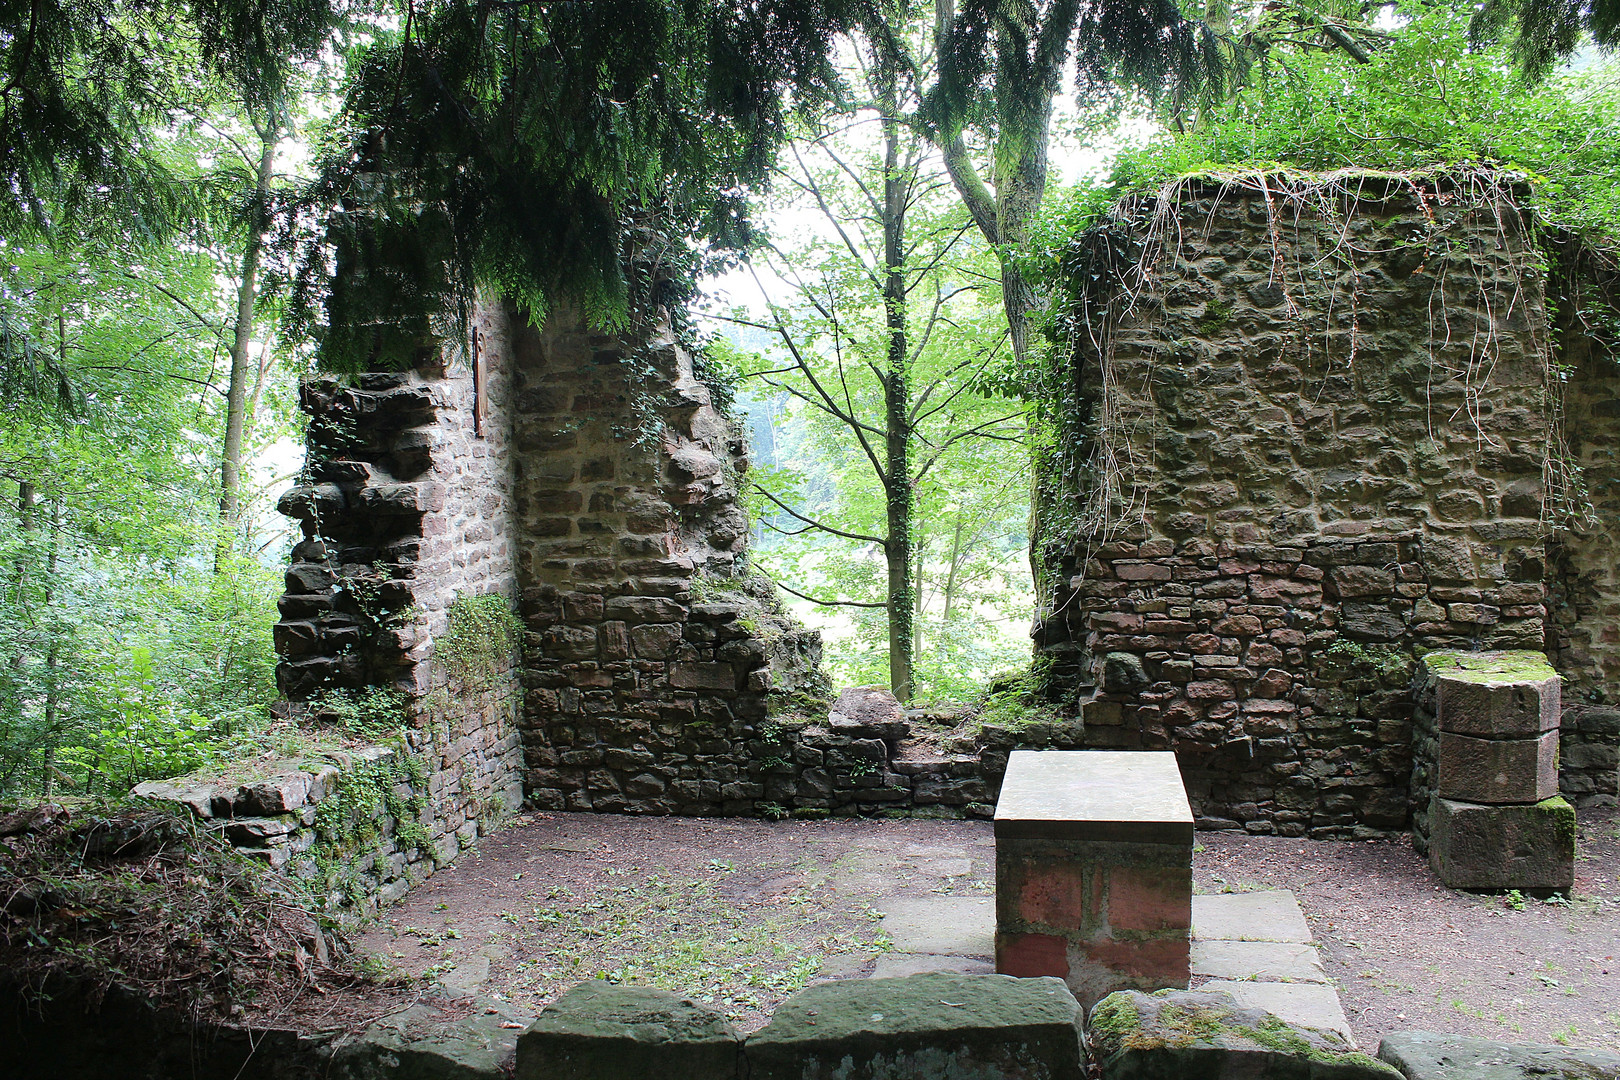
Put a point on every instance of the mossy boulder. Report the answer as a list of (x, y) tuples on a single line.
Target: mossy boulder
[(1199, 1035)]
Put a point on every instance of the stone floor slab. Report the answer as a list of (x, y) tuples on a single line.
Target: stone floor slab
[(469, 973), (1305, 1004), (1254, 916), (1257, 961), (900, 965), (942, 925)]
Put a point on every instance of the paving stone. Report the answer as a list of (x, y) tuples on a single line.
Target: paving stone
[(599, 1031), (469, 973), (1503, 847), (421, 1043), (1427, 1055), (899, 965), (941, 925), (1259, 961), (843, 965), (1211, 1035), (1311, 1005), (965, 1027), (1257, 916), (1107, 795)]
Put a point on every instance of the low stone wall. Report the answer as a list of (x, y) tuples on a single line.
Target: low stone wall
[(359, 827)]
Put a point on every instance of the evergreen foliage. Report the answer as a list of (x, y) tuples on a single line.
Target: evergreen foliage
[(84, 84), (590, 154)]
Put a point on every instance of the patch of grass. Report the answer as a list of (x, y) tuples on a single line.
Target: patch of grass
[(690, 936)]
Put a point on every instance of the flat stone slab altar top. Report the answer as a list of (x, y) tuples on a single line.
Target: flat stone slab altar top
[(1134, 796)]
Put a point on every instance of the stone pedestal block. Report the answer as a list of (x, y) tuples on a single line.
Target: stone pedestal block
[(1499, 710), (1094, 870), (966, 1027), (1497, 771), (1503, 847), (600, 1031)]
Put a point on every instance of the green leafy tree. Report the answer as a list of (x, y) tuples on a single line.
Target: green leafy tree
[(881, 344)]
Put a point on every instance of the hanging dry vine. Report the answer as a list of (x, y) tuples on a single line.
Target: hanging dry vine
[(1476, 237)]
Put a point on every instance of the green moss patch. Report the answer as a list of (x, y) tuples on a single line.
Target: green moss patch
[(1513, 665)]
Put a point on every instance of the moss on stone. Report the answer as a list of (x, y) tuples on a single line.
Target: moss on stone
[(1114, 1018), (1512, 665)]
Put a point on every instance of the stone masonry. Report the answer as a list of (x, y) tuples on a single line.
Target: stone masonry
[(1313, 444), (1485, 775), (598, 487), (1315, 483), (404, 508)]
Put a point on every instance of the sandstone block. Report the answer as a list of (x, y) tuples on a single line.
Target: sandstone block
[(201, 799), (869, 712), (1428, 1055), (1495, 695), (599, 1031), (703, 677), (1371, 621), (421, 1042), (969, 1027), (1497, 771), (258, 832), (1503, 847), (277, 795), (1202, 1035)]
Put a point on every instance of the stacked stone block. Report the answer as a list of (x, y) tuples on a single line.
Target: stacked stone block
[(1486, 761), (272, 820)]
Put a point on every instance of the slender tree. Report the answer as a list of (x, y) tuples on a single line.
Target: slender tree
[(871, 341)]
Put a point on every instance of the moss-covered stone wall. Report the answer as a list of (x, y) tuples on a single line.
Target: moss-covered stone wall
[(1312, 439)]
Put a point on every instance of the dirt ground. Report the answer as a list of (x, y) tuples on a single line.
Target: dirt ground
[(1407, 953), (741, 913)]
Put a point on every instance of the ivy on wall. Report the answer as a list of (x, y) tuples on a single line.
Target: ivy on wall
[(477, 645), (347, 822)]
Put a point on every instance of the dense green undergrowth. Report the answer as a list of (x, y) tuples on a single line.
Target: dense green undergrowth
[(1427, 99)]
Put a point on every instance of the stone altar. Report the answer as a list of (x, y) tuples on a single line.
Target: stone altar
[(1094, 870)]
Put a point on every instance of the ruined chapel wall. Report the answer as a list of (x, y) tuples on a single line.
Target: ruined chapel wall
[(652, 660), (1334, 435), (1583, 631), (404, 509)]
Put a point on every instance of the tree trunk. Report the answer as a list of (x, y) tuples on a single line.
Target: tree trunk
[(236, 397), (897, 406), (920, 551), (951, 572), (53, 663)]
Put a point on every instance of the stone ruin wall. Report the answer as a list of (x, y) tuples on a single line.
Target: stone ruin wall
[(651, 658), (1332, 469), (1363, 507), (656, 674), (1583, 620), (404, 508)]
